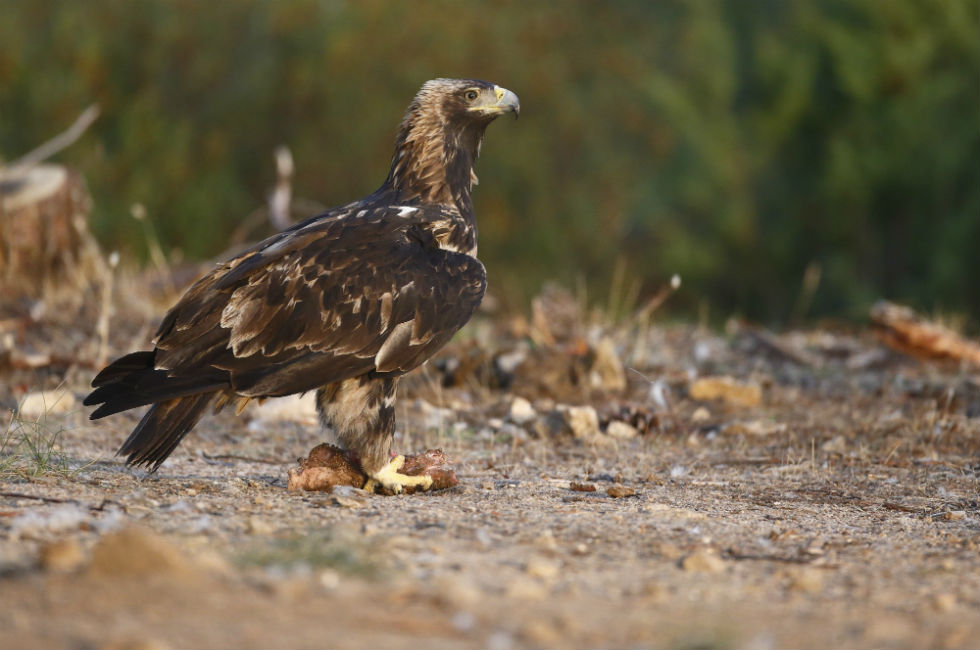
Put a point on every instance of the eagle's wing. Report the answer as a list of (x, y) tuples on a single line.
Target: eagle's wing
[(369, 292)]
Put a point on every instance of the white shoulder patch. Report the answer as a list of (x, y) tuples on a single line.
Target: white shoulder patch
[(399, 339), (405, 210)]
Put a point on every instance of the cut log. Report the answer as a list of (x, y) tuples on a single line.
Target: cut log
[(43, 223)]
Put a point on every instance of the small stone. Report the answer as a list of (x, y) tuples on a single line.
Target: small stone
[(728, 390), (581, 487), (755, 428), (700, 414), (41, 403), (521, 411), (703, 560), (836, 445), (582, 420), (621, 430), (619, 491), (63, 556)]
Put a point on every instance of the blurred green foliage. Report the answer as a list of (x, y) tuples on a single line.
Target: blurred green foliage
[(736, 143)]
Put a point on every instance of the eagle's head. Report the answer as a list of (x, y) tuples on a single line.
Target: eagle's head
[(440, 136), (464, 103)]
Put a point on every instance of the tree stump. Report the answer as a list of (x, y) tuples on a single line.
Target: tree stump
[(43, 225)]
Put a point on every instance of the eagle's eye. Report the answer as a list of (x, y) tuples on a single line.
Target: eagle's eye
[(471, 95)]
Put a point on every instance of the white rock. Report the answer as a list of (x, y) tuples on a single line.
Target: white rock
[(582, 420), (621, 430), (521, 411), (46, 402)]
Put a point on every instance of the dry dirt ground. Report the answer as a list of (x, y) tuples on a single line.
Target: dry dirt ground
[(826, 497)]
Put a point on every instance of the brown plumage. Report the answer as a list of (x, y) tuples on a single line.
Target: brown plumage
[(343, 303)]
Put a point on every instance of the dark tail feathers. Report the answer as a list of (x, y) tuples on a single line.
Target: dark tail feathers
[(132, 381), (178, 403), (162, 429)]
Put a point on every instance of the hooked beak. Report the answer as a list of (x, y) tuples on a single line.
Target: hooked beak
[(507, 101), (502, 101)]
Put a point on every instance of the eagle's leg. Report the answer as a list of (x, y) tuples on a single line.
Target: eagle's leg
[(361, 412)]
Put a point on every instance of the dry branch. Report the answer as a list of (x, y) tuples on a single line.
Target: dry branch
[(902, 329), (25, 163)]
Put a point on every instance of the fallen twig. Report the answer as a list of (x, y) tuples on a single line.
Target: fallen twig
[(902, 329)]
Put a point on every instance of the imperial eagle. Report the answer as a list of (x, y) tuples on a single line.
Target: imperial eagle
[(343, 303)]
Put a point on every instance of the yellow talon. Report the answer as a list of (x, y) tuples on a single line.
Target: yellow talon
[(389, 477)]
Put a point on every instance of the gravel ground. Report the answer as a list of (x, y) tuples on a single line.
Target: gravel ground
[(826, 500)]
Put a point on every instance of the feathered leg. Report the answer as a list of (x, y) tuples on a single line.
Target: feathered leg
[(361, 412)]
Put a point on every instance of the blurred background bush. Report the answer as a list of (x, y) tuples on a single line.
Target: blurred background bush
[(736, 143)]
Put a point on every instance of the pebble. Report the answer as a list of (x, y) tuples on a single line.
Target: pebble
[(582, 420), (727, 389), (836, 445), (521, 411), (703, 560), (700, 414), (581, 487), (621, 430), (755, 428), (41, 403), (619, 491)]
